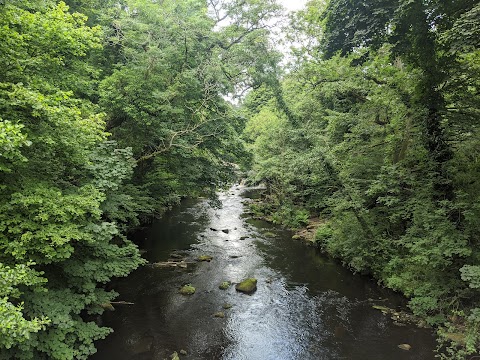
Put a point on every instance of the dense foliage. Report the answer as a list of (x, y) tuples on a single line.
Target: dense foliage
[(109, 111), (381, 141)]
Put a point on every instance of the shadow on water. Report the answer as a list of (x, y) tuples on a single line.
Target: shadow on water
[(306, 306)]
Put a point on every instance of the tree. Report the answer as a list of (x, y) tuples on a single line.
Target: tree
[(166, 97), (58, 245), (384, 148)]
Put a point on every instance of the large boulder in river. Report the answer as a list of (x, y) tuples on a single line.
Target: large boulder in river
[(247, 286)]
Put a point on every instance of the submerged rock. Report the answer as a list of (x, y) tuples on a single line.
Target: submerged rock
[(400, 317), (141, 345), (383, 309), (206, 258), (405, 347), (227, 306), (187, 290), (175, 356), (183, 352), (247, 286), (219, 314), (107, 306), (170, 264), (224, 285)]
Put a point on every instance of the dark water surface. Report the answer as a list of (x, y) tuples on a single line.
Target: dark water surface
[(306, 306)]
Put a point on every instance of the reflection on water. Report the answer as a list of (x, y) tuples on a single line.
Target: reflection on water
[(306, 306)]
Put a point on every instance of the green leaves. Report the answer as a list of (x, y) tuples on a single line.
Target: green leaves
[(471, 274), (44, 222), (70, 189), (11, 140), (165, 98), (35, 46), (350, 25), (385, 146), (59, 175), (14, 328)]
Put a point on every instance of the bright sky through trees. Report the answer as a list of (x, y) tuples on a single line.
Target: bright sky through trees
[(292, 5)]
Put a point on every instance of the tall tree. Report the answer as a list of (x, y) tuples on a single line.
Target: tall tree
[(413, 27), (58, 245), (166, 97)]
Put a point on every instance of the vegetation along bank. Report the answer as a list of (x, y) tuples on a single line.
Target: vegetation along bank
[(375, 131)]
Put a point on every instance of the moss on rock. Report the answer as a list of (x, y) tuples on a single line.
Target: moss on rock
[(187, 290), (224, 285), (247, 286), (207, 258)]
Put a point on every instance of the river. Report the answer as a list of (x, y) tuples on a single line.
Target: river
[(306, 306)]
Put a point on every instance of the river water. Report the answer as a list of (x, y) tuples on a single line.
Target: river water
[(306, 306)]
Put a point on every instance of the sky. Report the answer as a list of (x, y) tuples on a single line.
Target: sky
[(293, 4)]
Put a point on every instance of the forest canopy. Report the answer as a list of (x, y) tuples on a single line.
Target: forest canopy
[(113, 111)]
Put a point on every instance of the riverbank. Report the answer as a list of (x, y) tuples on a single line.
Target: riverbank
[(451, 335)]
